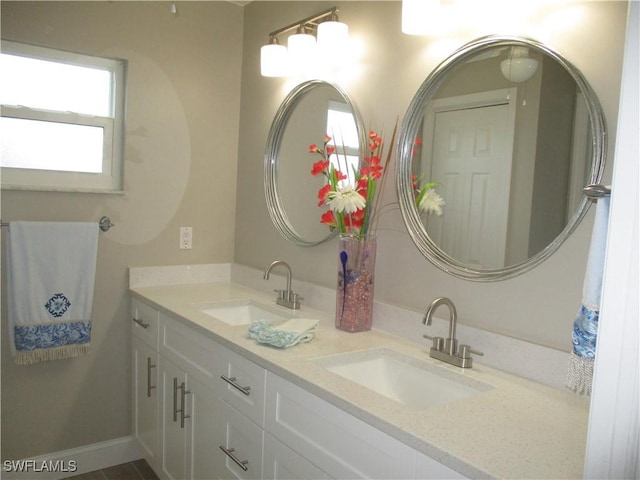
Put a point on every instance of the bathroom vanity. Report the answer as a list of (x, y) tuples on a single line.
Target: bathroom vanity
[(211, 403)]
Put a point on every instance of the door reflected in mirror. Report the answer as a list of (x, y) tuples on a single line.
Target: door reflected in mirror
[(510, 158)]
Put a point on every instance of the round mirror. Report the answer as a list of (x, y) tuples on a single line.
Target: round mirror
[(312, 110), (510, 133)]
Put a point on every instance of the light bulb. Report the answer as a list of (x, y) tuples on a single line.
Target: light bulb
[(273, 60)]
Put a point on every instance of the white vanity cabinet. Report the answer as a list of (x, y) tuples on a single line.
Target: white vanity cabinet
[(203, 411), (145, 380)]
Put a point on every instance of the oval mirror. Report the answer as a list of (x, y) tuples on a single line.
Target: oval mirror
[(310, 111), (511, 133)]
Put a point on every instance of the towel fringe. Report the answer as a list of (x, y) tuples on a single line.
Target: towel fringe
[(580, 374), (31, 357)]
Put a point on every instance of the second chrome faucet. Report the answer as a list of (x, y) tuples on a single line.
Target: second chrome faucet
[(447, 349), (286, 298)]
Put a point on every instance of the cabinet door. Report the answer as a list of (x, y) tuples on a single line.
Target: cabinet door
[(282, 463), (145, 400), (204, 450), (175, 422), (239, 445)]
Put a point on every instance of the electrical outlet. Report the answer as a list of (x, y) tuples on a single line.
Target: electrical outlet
[(186, 238)]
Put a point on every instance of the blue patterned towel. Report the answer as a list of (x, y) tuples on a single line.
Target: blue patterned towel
[(288, 334), (585, 325), (51, 272)]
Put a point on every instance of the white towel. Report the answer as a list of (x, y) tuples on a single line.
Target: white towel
[(285, 335), (51, 273), (585, 325)]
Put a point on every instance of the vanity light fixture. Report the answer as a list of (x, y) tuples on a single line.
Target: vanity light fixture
[(302, 49), (415, 16), (519, 67)]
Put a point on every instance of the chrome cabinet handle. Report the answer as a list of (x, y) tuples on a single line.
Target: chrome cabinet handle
[(229, 452), (141, 322), (233, 382), (175, 399), (149, 386), (183, 393)]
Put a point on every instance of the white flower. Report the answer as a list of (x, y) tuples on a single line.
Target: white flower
[(431, 202), (346, 200)]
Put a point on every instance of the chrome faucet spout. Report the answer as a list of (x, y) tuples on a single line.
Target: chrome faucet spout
[(284, 264), (443, 349), (453, 315), (286, 297)]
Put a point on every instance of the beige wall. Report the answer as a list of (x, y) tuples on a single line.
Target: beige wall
[(539, 305), (183, 103)]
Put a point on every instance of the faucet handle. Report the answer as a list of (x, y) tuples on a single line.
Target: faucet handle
[(438, 342), (466, 351)]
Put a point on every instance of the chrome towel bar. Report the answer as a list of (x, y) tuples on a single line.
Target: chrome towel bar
[(105, 224)]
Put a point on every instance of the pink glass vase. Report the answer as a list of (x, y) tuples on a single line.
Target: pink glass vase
[(354, 293)]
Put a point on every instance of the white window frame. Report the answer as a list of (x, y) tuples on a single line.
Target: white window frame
[(110, 179)]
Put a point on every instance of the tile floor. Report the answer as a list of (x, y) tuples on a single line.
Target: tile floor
[(138, 470)]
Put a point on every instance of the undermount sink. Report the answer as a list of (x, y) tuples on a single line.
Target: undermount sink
[(407, 380), (244, 311)]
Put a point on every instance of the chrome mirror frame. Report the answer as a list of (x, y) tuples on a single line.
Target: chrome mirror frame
[(409, 130), (274, 204)]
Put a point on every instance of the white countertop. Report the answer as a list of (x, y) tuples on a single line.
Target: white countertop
[(518, 429)]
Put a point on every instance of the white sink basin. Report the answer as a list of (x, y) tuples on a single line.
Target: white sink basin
[(244, 311), (404, 379)]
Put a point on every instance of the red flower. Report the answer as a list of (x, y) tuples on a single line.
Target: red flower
[(319, 167), (354, 220), (328, 218), (322, 194), (313, 148), (373, 169), (330, 150)]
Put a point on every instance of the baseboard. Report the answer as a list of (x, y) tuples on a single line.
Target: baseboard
[(75, 461)]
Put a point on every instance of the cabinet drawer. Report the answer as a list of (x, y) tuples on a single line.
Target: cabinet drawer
[(241, 383), (144, 323), (237, 447), (188, 349), (338, 443), (282, 463)]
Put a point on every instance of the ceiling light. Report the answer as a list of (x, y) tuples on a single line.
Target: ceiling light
[(300, 55), (417, 16), (273, 59), (519, 67)]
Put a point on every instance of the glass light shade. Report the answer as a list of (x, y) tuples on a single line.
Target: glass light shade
[(301, 52), (273, 60), (417, 16), (332, 36), (518, 70)]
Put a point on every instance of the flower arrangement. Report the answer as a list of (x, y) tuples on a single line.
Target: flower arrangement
[(352, 206), (426, 198)]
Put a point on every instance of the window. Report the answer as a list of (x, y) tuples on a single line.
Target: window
[(341, 127), (62, 120)]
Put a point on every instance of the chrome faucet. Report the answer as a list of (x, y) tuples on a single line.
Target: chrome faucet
[(447, 350), (286, 298)]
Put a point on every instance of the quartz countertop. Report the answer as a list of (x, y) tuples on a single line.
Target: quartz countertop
[(518, 429)]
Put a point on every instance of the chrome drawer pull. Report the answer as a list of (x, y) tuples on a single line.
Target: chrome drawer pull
[(232, 381), (141, 322), (241, 463), (149, 367), (183, 393)]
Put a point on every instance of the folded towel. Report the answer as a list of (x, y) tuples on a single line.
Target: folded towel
[(51, 272), (285, 335)]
